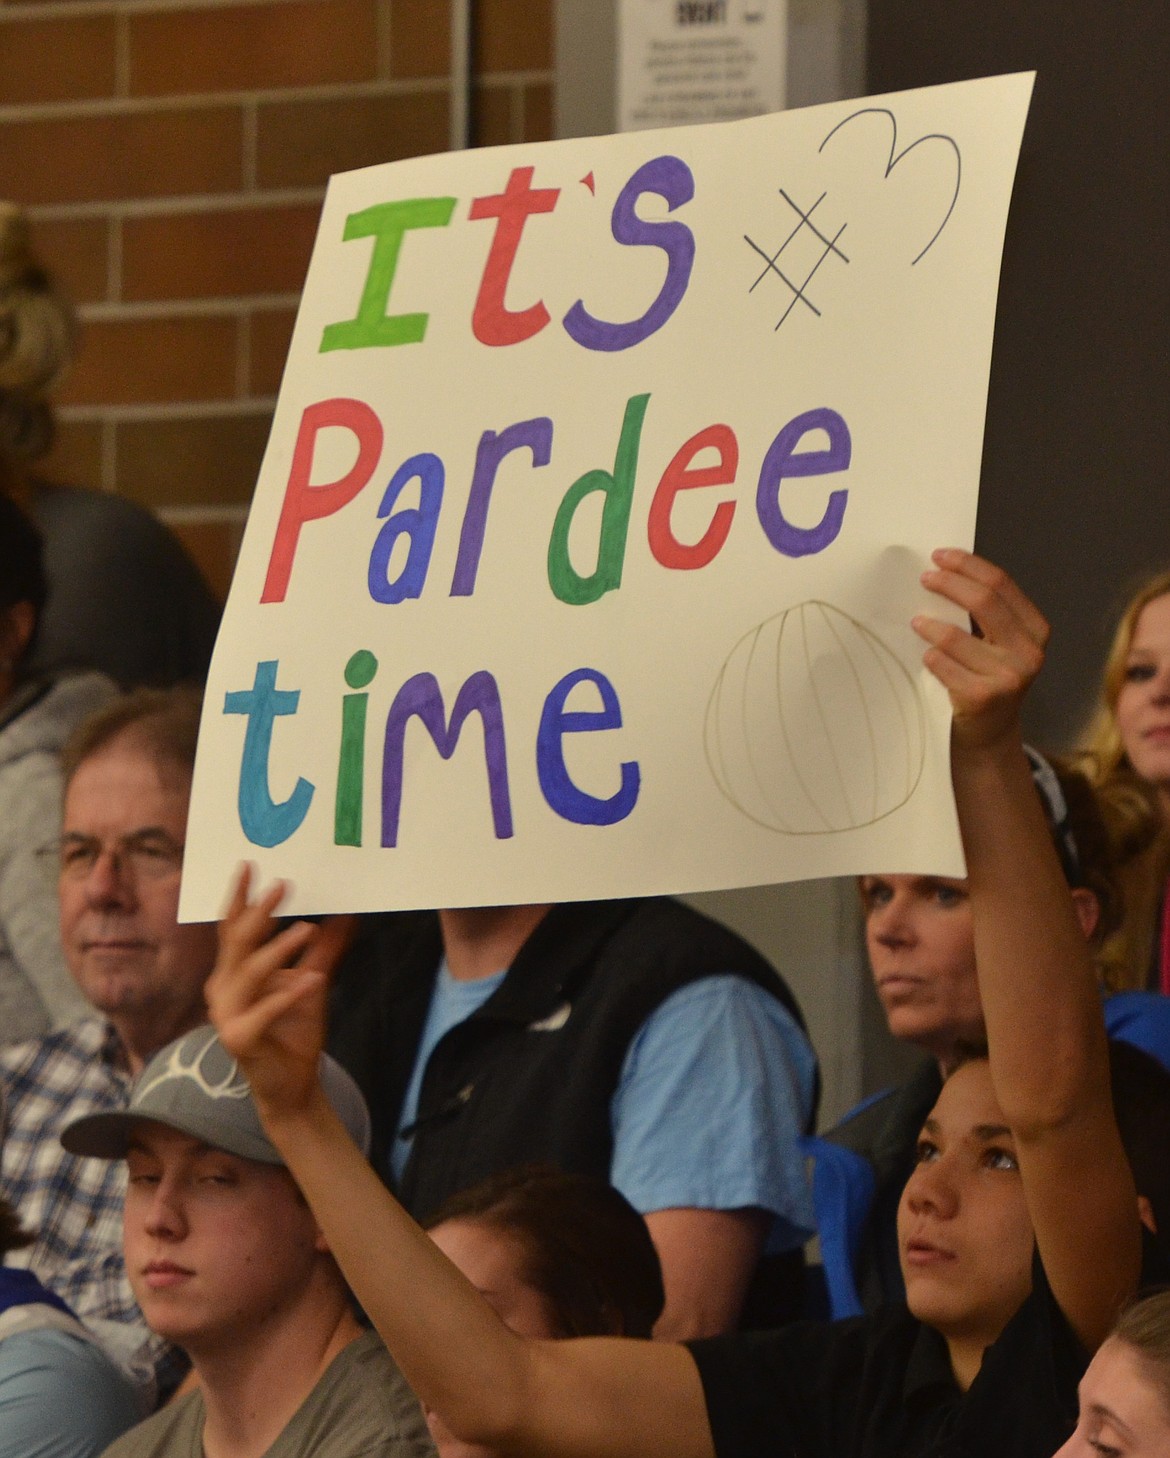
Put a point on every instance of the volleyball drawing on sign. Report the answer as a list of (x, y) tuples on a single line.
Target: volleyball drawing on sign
[(814, 725)]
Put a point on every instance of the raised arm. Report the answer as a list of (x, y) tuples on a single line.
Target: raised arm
[(596, 1399), (1046, 1038)]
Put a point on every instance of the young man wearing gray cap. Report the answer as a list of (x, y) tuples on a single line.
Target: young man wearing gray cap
[(226, 1260)]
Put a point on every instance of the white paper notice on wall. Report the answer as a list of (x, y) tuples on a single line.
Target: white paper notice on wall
[(585, 546), (690, 61)]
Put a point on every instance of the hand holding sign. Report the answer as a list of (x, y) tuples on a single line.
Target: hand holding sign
[(986, 676), (267, 994)]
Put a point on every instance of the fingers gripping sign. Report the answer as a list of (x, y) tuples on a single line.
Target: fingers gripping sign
[(988, 675), (267, 995)]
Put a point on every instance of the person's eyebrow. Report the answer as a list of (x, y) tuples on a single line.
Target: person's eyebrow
[(992, 1131), (142, 830), (1106, 1414)]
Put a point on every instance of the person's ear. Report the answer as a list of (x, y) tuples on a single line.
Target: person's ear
[(1146, 1215), (17, 624), (1087, 909), (320, 1244)]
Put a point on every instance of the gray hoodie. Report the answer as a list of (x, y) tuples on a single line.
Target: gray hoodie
[(37, 992)]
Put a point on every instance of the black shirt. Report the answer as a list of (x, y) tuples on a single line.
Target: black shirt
[(881, 1387)]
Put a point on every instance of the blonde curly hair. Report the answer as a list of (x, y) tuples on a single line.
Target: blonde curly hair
[(38, 336)]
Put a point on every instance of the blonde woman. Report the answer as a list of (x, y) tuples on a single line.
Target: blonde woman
[(1127, 755)]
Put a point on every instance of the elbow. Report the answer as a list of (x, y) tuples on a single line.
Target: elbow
[(1056, 1111), (492, 1424), (1037, 1120), (1066, 1086), (479, 1429), (490, 1417)]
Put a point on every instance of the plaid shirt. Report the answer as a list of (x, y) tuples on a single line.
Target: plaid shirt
[(74, 1205)]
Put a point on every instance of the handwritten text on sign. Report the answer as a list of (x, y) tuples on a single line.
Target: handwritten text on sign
[(586, 541)]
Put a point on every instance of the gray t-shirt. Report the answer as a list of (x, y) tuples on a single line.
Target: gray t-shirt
[(360, 1408)]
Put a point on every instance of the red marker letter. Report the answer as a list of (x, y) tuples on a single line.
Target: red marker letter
[(680, 475), (492, 321), (304, 502)]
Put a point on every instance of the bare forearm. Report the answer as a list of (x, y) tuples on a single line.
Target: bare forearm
[(1036, 978), (1046, 1039), (569, 1399), (1048, 1054), (418, 1301), (1045, 1031)]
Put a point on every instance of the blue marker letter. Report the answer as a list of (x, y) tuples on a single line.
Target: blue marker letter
[(419, 523), (265, 822), (556, 721)]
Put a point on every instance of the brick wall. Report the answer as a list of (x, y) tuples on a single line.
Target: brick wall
[(173, 155)]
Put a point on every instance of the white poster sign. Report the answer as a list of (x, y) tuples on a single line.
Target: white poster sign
[(585, 546), (690, 61)]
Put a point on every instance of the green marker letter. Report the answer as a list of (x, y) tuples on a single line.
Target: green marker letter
[(347, 809), (386, 223), (618, 487)]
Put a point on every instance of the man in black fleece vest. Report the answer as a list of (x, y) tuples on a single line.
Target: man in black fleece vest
[(636, 1040)]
